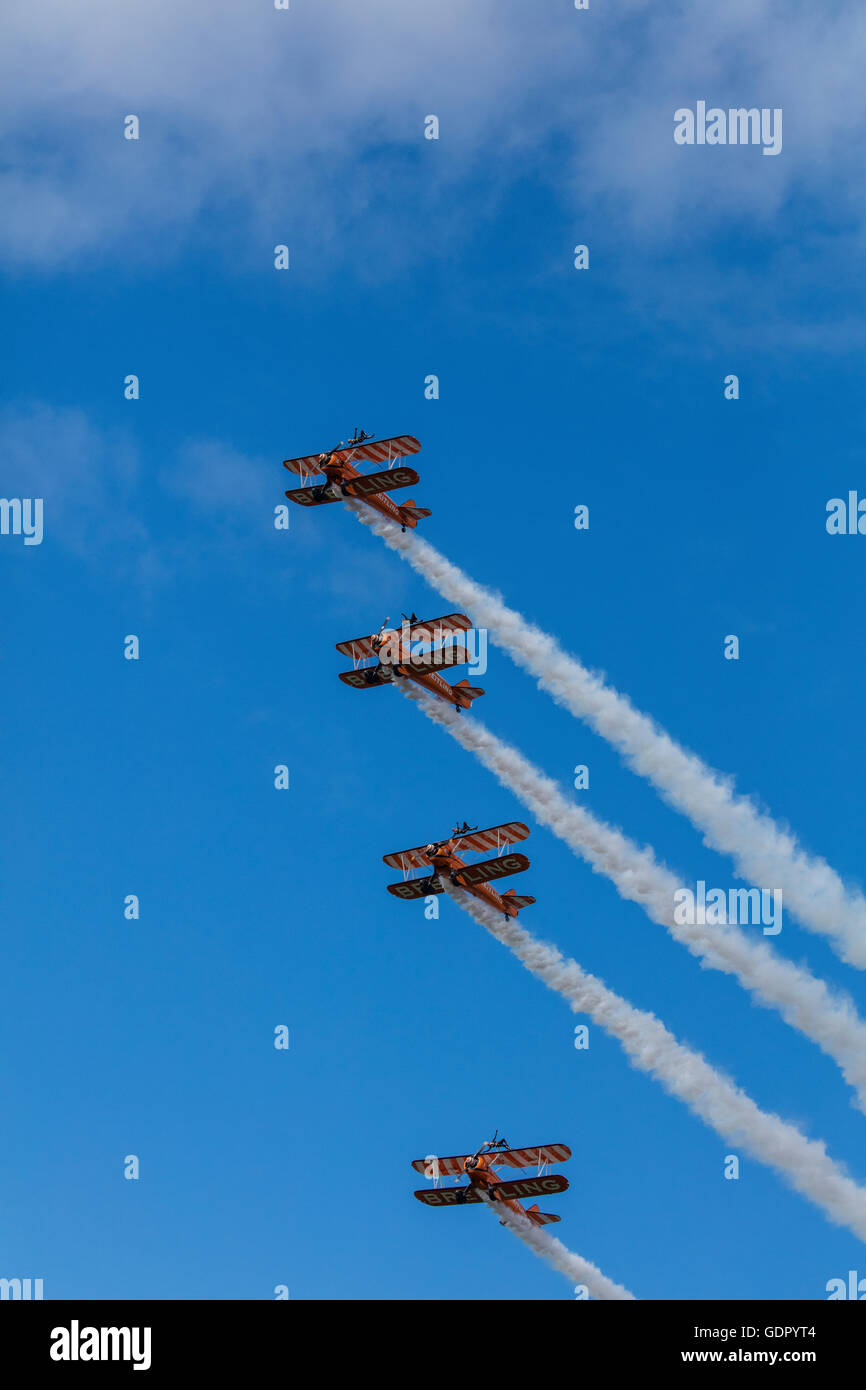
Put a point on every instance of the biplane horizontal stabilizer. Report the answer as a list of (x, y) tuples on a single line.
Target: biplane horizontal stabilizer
[(473, 691), (518, 900), (542, 1218)]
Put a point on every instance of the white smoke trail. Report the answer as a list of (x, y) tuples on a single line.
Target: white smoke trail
[(803, 1163), (762, 852), (806, 1003), (565, 1261)]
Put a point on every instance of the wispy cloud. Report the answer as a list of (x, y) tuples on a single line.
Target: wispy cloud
[(150, 523), (307, 122)]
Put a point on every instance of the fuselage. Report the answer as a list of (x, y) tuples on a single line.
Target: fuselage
[(445, 860), (430, 680), (427, 679), (481, 1176), (339, 471)]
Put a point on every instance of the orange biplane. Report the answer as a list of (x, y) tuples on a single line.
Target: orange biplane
[(486, 1185), (412, 652), (442, 856), (342, 478)]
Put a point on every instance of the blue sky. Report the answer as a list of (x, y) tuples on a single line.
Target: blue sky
[(558, 387)]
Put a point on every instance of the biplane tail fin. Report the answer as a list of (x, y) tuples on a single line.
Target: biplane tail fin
[(541, 1218), (411, 513), (518, 900), (473, 691)]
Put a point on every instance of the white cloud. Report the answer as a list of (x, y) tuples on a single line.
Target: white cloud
[(87, 477), (108, 504), (309, 122)]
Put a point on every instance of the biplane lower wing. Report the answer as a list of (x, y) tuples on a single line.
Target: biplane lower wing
[(544, 1186), (310, 497), (489, 869), (447, 1196), (509, 1158), (368, 485), (416, 887), (519, 1188), (366, 679), (453, 655), (371, 483)]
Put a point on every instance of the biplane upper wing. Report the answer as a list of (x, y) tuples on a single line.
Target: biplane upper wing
[(532, 1158), (407, 859), (361, 648), (373, 451), (442, 1167), (433, 661), (480, 841), (509, 1158), (498, 835), (434, 629)]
